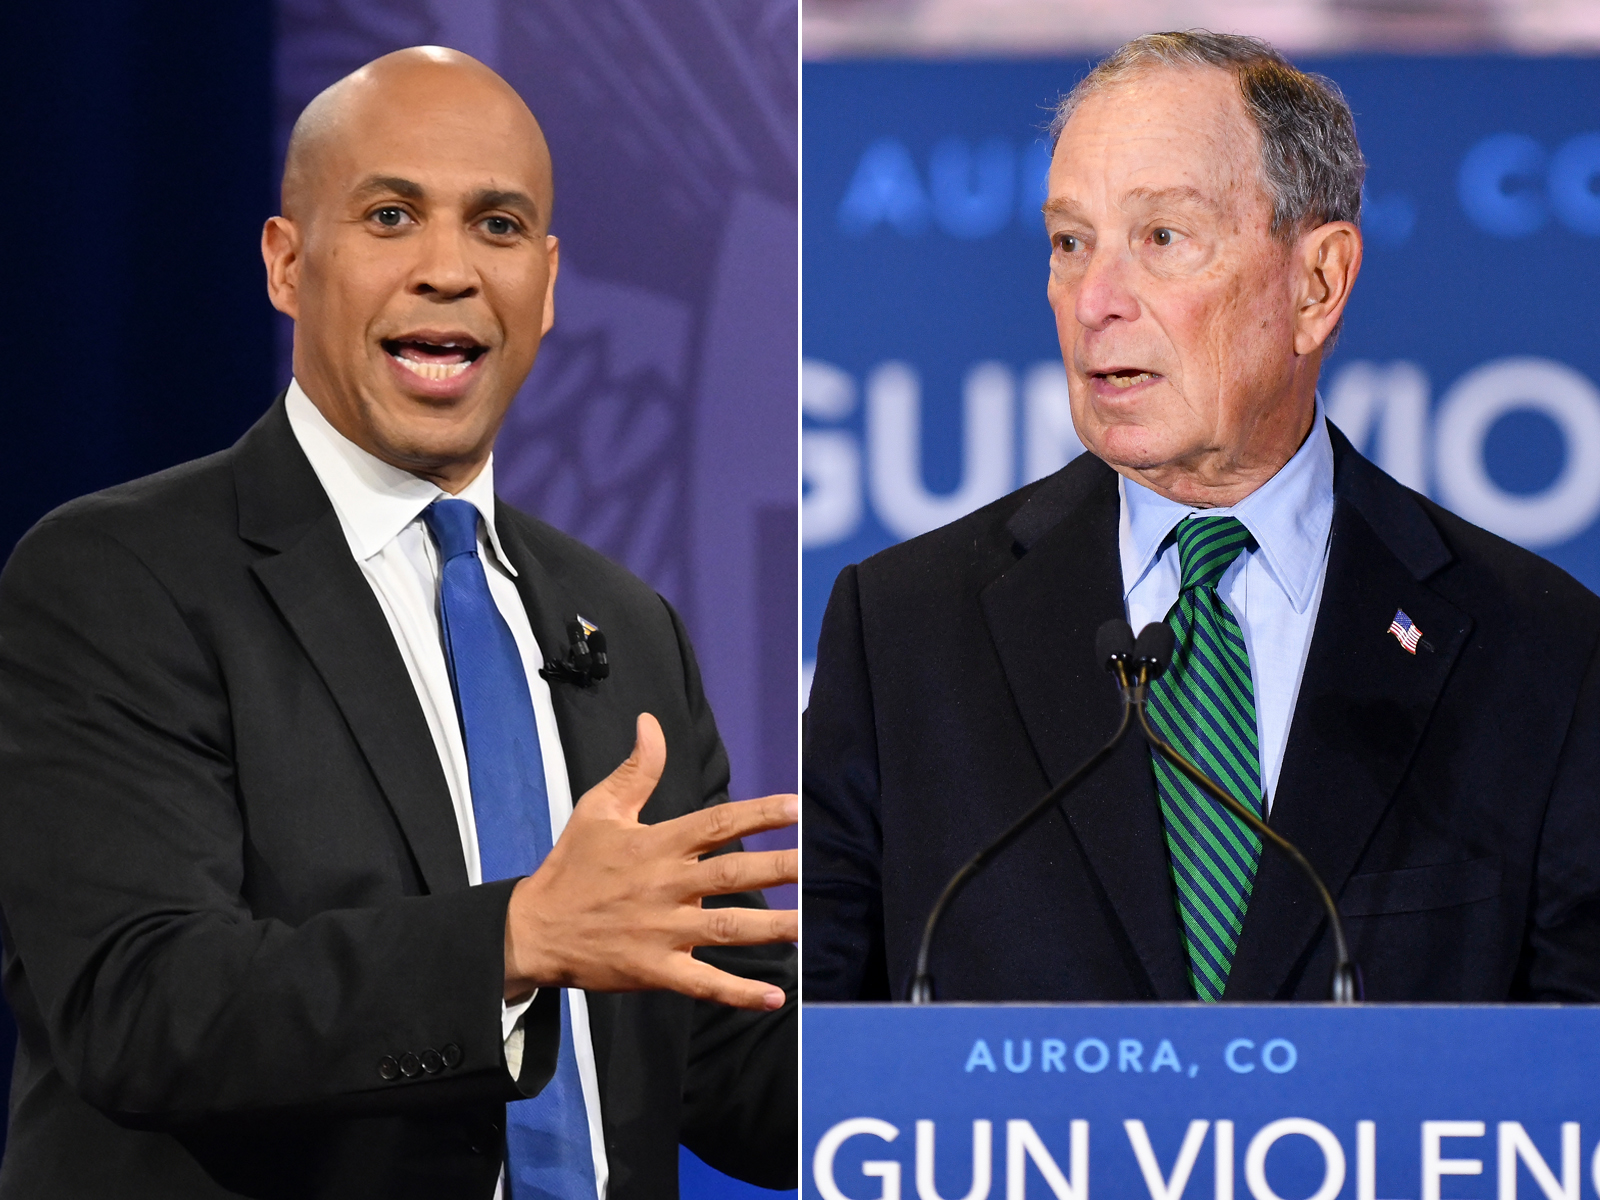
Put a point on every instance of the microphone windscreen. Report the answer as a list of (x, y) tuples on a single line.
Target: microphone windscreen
[(1115, 640), (1155, 645)]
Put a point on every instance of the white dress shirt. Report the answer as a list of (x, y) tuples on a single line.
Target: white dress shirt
[(380, 510), (1273, 590)]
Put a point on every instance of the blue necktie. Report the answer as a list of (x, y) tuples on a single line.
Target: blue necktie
[(547, 1137)]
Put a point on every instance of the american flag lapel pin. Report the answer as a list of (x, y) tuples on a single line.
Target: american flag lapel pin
[(1405, 632)]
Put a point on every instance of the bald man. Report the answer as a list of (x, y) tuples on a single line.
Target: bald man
[(359, 834)]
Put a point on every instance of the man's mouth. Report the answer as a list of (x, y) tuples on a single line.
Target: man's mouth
[(1125, 378), (427, 358)]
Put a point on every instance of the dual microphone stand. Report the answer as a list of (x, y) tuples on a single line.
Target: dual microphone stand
[(1136, 665)]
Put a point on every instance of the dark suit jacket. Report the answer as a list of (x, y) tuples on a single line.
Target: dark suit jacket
[(1450, 799), (232, 883)]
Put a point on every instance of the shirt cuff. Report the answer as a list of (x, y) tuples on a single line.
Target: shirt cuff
[(511, 1032)]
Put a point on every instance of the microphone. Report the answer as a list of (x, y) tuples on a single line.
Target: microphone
[(1135, 664), (586, 662), (1114, 646), (1152, 655)]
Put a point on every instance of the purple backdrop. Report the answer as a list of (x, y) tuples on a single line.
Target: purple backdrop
[(659, 424)]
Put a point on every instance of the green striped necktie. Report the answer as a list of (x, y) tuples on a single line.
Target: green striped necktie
[(1205, 706)]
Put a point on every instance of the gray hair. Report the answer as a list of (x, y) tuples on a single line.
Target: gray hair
[(1311, 163)]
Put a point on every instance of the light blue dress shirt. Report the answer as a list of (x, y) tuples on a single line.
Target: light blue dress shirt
[(1274, 590)]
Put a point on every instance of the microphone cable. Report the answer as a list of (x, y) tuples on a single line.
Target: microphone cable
[(1136, 665)]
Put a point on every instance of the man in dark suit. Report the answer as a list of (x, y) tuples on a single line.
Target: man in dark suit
[(286, 735), (1412, 701)]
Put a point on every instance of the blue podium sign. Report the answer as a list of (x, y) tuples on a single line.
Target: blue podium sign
[(1221, 1102)]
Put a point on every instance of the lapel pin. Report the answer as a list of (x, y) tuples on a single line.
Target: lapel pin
[(1405, 632)]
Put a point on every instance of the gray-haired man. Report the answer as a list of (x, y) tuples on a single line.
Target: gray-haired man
[(1413, 701)]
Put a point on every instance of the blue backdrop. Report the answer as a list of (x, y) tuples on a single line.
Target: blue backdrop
[(933, 383)]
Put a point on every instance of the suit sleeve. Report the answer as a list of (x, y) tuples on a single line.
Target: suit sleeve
[(843, 909), (123, 865), (1561, 952), (742, 1076)]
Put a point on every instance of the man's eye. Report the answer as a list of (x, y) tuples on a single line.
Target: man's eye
[(500, 226), (1163, 237), (1068, 244), (390, 216)]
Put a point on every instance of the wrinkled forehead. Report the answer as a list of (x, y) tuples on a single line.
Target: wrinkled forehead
[(1163, 128)]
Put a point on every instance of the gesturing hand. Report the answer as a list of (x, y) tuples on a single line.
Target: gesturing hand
[(615, 906)]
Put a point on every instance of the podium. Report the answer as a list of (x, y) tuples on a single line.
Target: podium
[(1200, 1102)]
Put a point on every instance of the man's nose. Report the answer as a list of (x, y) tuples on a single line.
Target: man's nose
[(445, 268), (1104, 292)]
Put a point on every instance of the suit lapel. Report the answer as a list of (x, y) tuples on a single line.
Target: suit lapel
[(321, 594), (1363, 706), (580, 711), (1043, 614)]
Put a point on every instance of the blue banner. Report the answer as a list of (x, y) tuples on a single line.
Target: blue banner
[(1468, 366), (1271, 1102)]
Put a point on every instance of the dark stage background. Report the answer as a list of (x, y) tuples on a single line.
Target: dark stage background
[(659, 424)]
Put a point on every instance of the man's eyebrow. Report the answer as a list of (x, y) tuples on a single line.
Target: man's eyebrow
[(519, 202), (374, 185), (1062, 206), (1181, 193)]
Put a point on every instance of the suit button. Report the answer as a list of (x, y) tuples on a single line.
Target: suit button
[(432, 1061), (451, 1054), (388, 1069), (409, 1066)]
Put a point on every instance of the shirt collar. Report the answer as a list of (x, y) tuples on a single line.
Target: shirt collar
[(374, 500), (1289, 516)]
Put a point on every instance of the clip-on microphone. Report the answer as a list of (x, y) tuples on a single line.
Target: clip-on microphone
[(1136, 665), (586, 663)]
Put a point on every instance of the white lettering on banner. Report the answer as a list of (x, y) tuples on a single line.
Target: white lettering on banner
[(1023, 1143), (832, 505), (1366, 1160), (1434, 1166), (1163, 1187), (826, 392), (828, 1148), (1517, 1152), (1384, 408), (894, 447), (1222, 1152), (1516, 1144), (982, 1161), (1480, 398), (1390, 402), (1049, 440), (831, 509), (1255, 1158), (830, 459)]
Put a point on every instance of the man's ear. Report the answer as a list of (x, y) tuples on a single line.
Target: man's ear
[(1328, 259), (280, 250), (552, 250)]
